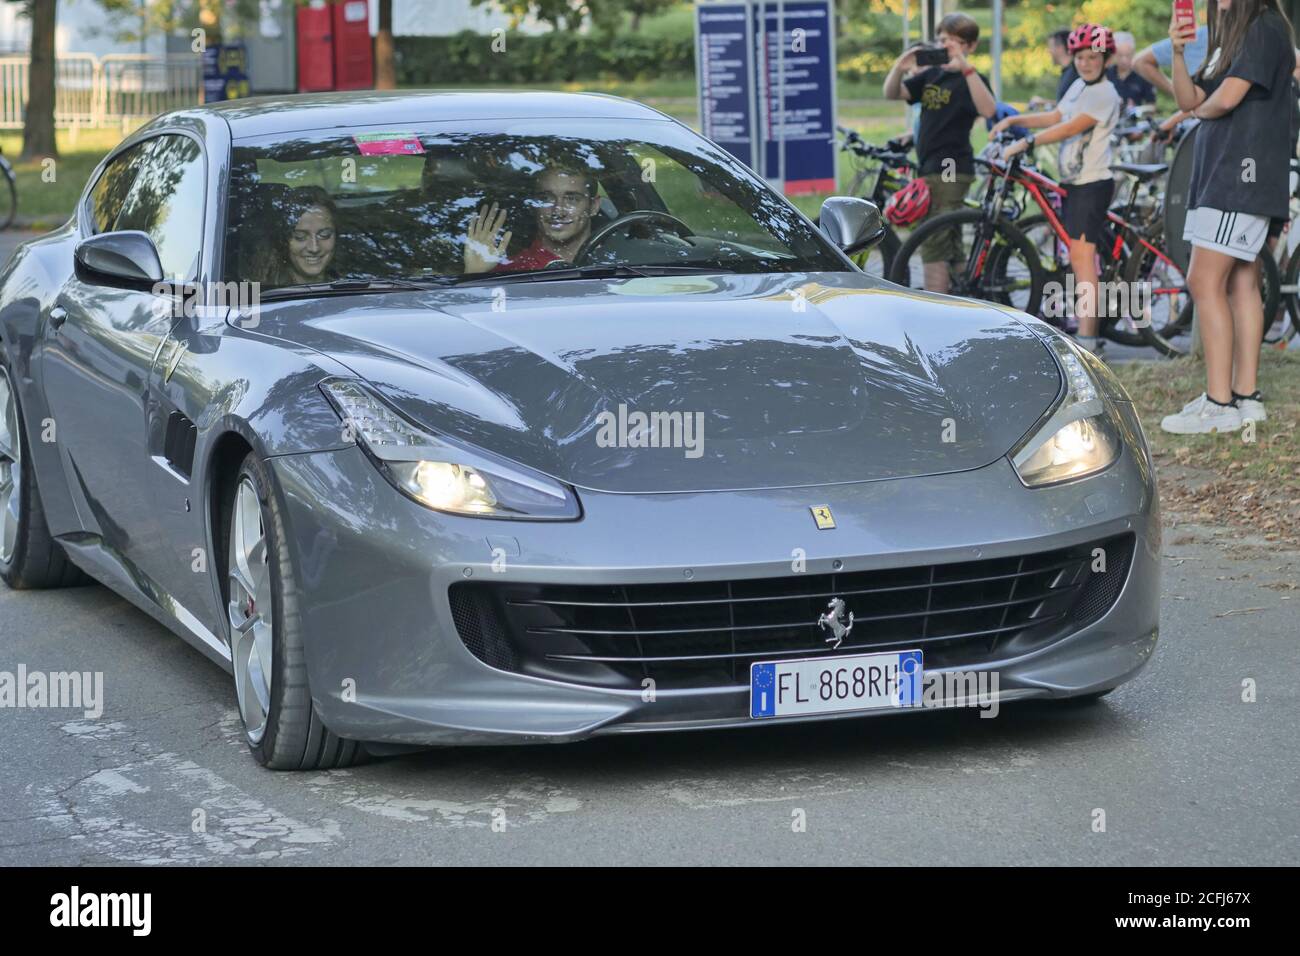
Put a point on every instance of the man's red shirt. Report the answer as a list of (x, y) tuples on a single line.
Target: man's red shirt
[(536, 256)]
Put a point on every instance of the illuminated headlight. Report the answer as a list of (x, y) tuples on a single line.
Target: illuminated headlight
[(1080, 437), (441, 474)]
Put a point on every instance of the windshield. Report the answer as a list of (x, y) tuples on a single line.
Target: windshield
[(503, 200)]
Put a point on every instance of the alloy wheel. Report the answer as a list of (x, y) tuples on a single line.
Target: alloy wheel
[(11, 469), (251, 621)]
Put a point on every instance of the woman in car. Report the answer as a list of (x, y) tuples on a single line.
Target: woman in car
[(303, 238)]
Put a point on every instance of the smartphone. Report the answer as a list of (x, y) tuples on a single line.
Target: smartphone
[(932, 56), (1185, 12)]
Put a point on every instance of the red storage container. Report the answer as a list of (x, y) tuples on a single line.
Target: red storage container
[(354, 59), (315, 49)]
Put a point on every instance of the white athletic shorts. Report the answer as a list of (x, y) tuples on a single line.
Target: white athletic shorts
[(1237, 234)]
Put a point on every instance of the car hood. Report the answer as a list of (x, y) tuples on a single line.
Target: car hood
[(746, 382)]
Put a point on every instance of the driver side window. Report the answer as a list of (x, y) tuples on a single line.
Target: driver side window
[(157, 187), (114, 185), (167, 201)]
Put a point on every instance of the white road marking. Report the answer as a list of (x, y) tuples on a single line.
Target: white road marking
[(523, 803), (197, 816)]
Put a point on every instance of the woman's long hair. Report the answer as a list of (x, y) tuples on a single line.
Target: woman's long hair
[(1227, 32), (283, 212)]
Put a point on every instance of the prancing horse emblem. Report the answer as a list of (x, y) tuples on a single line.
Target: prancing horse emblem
[(833, 620)]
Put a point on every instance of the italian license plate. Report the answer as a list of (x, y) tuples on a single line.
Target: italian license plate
[(827, 685)]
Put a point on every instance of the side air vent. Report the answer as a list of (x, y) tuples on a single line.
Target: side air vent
[(178, 443)]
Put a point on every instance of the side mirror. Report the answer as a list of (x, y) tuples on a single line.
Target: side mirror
[(852, 224), (127, 258)]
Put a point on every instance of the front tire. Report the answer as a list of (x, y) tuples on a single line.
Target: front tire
[(29, 556), (281, 726)]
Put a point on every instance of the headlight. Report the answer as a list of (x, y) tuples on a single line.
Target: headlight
[(1080, 437), (441, 474)]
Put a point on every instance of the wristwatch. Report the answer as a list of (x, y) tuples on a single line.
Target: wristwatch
[(968, 71), (1031, 139)]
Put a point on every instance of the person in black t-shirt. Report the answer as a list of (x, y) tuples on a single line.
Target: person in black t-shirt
[(1240, 181), (952, 97)]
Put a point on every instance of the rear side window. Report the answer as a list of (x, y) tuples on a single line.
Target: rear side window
[(109, 194), (167, 201)]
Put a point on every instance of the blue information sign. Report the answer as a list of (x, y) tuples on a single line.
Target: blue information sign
[(724, 68), (795, 42), (766, 76)]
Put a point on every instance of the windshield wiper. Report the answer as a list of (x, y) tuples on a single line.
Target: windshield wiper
[(346, 287), (582, 272)]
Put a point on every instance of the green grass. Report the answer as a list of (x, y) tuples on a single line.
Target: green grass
[(1225, 479), (42, 203)]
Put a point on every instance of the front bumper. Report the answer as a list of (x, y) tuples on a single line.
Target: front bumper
[(386, 663)]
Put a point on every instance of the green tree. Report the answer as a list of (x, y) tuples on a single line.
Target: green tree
[(1148, 20), (557, 14), (38, 119), (637, 10), (219, 19)]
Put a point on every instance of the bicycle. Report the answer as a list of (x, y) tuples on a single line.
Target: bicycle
[(1288, 325), (1144, 285), (9, 208), (1012, 263), (892, 169), (1139, 138)]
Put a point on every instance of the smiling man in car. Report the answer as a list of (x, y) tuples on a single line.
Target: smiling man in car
[(565, 202)]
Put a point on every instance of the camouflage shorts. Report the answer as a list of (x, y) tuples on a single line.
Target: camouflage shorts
[(945, 197)]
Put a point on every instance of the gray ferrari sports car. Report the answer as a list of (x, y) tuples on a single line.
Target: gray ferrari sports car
[(460, 418)]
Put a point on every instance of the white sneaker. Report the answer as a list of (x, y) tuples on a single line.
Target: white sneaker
[(1252, 409), (1201, 416)]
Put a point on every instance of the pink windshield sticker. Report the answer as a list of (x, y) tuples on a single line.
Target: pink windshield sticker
[(388, 144)]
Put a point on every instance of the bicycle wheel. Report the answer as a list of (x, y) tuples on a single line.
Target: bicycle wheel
[(1162, 288), (877, 260), (994, 262), (1290, 280), (1170, 329), (1270, 286), (1040, 232), (9, 199)]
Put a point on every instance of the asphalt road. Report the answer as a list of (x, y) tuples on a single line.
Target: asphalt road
[(1185, 771)]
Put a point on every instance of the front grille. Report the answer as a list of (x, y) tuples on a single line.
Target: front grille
[(707, 633)]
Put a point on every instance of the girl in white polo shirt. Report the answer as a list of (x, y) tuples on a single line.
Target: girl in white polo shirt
[(1081, 123)]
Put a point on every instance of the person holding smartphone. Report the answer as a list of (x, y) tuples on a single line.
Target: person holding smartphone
[(952, 95), (1081, 124), (1240, 182)]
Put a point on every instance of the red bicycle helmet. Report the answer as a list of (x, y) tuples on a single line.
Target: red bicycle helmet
[(1091, 36), (910, 204)]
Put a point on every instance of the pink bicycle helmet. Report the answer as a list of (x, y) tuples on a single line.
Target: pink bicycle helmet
[(1091, 36)]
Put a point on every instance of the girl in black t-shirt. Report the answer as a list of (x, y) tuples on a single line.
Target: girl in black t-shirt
[(1240, 181)]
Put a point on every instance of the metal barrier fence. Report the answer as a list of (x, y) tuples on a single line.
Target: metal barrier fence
[(91, 91)]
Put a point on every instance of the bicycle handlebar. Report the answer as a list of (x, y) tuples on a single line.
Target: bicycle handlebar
[(892, 154)]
